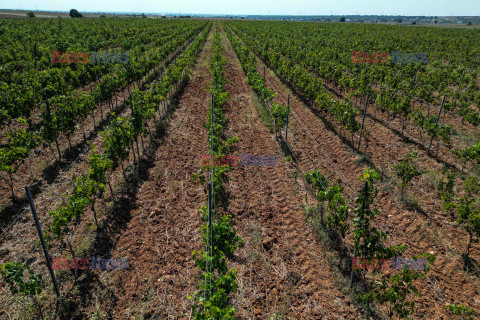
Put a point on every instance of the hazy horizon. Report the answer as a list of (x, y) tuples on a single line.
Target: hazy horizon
[(250, 7), (230, 14)]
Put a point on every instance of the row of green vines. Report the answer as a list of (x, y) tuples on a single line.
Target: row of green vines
[(212, 300)]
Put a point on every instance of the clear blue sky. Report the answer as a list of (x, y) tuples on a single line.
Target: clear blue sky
[(292, 7)]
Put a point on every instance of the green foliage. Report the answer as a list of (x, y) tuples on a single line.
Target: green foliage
[(469, 212), (346, 114), (446, 192), (142, 110), (118, 138), (317, 179), (13, 275), (219, 282), (406, 170), (224, 236), (437, 129), (50, 127), (323, 101), (280, 114), (20, 142), (472, 116), (216, 306), (471, 153), (432, 128), (336, 204), (405, 107), (367, 239), (66, 113), (337, 209), (460, 310), (98, 164), (394, 290), (212, 300), (84, 190)]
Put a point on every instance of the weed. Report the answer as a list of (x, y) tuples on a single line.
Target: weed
[(411, 203), (433, 179)]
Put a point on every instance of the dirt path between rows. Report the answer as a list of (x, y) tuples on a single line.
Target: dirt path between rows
[(282, 270)]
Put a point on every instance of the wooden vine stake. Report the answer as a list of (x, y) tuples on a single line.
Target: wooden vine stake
[(436, 123), (414, 77), (363, 123), (42, 240), (288, 114)]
